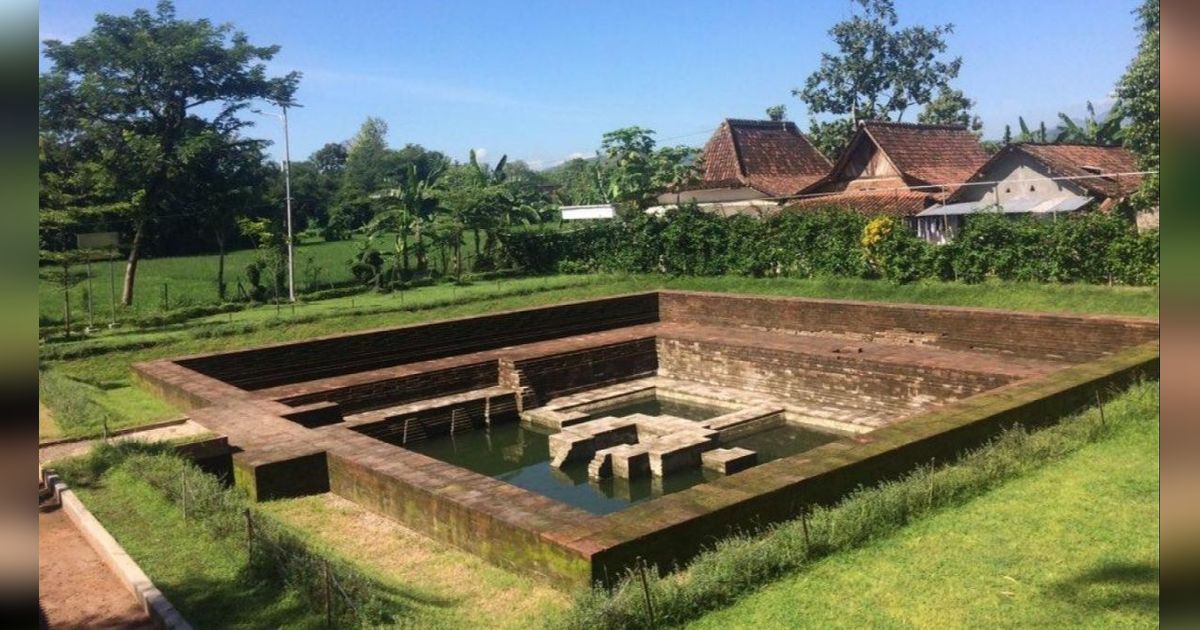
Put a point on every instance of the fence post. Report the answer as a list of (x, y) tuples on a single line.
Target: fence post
[(328, 596), (646, 591), (804, 525), (166, 298), (1100, 404), (249, 537)]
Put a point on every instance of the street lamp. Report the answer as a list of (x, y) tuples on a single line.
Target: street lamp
[(287, 192)]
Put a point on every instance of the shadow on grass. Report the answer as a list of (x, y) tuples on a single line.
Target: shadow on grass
[(1113, 585)]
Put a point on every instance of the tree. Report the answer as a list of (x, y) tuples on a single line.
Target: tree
[(1007, 135), (1091, 130), (950, 107), (137, 86), (631, 170), (675, 168), (407, 209), (577, 182), (1138, 95), (777, 112), (877, 74), (366, 171)]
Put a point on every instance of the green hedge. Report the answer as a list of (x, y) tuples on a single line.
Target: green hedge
[(1087, 247)]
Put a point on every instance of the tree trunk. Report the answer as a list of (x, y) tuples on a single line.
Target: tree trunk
[(419, 250), (131, 264), (220, 265), (404, 254), (476, 242)]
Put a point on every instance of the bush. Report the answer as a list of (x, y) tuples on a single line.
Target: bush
[(686, 240)]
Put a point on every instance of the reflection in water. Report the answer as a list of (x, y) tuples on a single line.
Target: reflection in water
[(520, 455), (659, 406)]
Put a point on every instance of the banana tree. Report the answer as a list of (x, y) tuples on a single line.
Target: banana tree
[(1092, 131), (405, 210)]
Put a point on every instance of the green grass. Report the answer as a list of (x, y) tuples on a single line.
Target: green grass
[(1074, 544), (192, 280), (1078, 523), (203, 575), (104, 361)]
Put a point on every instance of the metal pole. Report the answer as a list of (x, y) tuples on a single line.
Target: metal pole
[(287, 185)]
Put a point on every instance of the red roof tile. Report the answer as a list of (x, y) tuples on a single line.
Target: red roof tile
[(895, 203), (1070, 160), (929, 154), (770, 156)]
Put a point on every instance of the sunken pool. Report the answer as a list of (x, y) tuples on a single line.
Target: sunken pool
[(519, 454)]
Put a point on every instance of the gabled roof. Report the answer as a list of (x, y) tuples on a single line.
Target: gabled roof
[(923, 154), (770, 156), (1075, 160)]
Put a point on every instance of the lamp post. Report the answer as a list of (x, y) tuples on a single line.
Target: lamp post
[(287, 192)]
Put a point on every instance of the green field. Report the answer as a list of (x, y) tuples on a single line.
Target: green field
[(100, 365), (1073, 544), (192, 280)]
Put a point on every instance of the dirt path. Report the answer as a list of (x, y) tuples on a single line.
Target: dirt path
[(76, 588), (71, 449)]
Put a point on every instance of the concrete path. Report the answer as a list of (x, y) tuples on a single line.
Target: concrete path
[(72, 449)]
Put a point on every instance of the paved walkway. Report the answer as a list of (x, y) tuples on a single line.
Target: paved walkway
[(71, 449), (76, 589)]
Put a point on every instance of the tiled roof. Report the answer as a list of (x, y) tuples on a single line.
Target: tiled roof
[(930, 154), (1070, 159), (770, 156), (895, 203)]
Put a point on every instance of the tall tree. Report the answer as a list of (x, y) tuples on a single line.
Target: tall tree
[(139, 85), (950, 107), (366, 171), (777, 112), (1138, 95), (878, 72)]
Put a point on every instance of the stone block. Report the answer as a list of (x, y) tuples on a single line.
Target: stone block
[(729, 460), (677, 452)]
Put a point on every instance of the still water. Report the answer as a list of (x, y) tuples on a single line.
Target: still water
[(520, 455)]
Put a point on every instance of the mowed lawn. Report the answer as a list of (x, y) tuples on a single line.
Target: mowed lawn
[(1074, 544)]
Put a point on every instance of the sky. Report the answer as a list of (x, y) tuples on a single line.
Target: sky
[(541, 81)]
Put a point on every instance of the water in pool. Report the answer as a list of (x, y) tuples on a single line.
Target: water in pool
[(520, 455)]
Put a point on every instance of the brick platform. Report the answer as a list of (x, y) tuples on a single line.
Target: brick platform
[(903, 383)]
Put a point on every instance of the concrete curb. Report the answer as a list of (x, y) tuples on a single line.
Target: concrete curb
[(161, 611)]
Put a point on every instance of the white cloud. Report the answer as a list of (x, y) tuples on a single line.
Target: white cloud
[(481, 154)]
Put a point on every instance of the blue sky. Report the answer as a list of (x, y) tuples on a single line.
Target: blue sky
[(542, 81)]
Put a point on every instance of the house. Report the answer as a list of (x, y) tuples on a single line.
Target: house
[(897, 169), (584, 213), (748, 161), (1042, 180)]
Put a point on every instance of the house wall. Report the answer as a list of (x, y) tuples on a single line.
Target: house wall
[(1013, 169), (868, 168)]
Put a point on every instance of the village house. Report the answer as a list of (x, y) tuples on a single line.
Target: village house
[(747, 163), (1027, 179), (896, 169)]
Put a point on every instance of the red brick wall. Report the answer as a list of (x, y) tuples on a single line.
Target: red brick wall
[(558, 374), (1074, 338)]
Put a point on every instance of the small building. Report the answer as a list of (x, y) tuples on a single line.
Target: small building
[(1042, 180), (588, 212), (897, 169), (747, 160)]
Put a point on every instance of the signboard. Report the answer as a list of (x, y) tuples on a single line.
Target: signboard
[(98, 240)]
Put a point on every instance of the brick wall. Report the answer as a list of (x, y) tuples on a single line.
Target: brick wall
[(1074, 338), (346, 354), (403, 389), (557, 374), (845, 383)]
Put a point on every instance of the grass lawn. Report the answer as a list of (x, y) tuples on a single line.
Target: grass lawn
[(202, 575), (445, 587), (1073, 544)]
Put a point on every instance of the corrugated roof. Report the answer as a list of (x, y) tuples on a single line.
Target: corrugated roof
[(1016, 205), (767, 155)]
